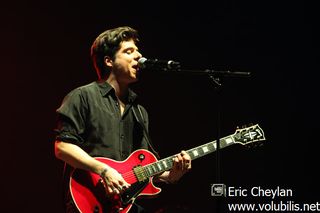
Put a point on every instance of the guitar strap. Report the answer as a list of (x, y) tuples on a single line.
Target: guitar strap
[(145, 131)]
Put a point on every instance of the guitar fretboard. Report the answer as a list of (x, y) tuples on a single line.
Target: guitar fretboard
[(197, 152)]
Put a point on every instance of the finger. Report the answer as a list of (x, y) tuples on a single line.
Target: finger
[(185, 156), (187, 165), (183, 153), (187, 160), (109, 190), (119, 188), (115, 190), (107, 186), (180, 161), (124, 183), (175, 162), (124, 187)]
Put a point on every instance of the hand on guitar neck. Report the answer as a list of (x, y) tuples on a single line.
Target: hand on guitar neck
[(181, 165)]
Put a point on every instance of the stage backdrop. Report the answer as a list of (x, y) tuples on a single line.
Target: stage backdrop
[(45, 51)]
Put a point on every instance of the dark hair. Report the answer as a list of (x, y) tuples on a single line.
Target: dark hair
[(107, 44)]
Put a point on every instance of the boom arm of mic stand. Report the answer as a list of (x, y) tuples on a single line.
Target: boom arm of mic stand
[(228, 74), (214, 73)]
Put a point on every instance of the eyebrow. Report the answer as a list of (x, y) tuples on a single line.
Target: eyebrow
[(130, 48)]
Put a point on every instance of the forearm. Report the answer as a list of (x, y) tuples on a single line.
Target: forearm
[(77, 157)]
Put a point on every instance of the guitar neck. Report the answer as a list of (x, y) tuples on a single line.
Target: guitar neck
[(197, 152), (210, 147)]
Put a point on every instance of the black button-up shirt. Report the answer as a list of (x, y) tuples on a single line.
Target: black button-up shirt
[(90, 118)]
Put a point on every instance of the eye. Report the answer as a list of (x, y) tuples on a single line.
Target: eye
[(129, 51)]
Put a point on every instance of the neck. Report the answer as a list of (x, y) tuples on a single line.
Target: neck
[(121, 89)]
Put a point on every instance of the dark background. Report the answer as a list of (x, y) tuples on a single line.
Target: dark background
[(45, 53)]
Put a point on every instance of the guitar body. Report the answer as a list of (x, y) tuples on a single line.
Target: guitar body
[(88, 191)]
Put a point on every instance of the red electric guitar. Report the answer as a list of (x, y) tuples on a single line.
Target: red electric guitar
[(88, 192)]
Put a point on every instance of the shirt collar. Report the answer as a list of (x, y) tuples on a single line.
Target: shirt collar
[(106, 88)]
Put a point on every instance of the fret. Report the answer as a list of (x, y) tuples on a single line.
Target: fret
[(154, 168), (229, 140), (165, 164), (159, 166), (149, 170), (195, 153), (200, 151), (205, 149), (168, 162), (212, 146), (223, 143)]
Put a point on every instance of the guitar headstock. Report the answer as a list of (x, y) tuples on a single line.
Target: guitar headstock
[(249, 135)]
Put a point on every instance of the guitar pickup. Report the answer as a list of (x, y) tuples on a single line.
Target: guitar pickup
[(140, 173)]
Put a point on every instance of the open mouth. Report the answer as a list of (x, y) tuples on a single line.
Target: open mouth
[(136, 67)]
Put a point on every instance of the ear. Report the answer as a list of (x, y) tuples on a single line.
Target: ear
[(108, 61)]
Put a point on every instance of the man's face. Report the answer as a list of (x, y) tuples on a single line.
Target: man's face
[(125, 64)]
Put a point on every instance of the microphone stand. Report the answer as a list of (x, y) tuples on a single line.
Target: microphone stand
[(215, 77), (217, 87)]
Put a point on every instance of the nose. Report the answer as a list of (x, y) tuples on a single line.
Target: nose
[(138, 55)]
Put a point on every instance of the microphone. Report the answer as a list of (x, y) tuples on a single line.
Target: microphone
[(156, 64)]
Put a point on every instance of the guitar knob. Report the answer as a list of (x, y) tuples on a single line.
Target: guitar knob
[(142, 157)]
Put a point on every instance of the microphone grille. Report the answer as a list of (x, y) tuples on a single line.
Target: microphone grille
[(141, 62)]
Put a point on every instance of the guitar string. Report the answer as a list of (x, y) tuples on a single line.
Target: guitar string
[(131, 176)]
